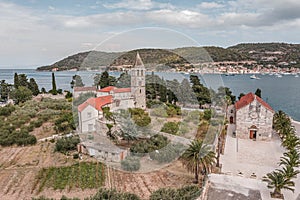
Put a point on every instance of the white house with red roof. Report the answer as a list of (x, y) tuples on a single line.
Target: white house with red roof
[(90, 112), (253, 118)]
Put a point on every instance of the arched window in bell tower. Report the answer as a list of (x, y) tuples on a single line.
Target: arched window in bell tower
[(138, 72)]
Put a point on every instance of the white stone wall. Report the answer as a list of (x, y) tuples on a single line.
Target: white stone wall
[(121, 95), (101, 94), (122, 104), (106, 155), (86, 117), (263, 121)]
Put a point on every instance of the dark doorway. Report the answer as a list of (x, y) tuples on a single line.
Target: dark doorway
[(231, 120), (253, 134)]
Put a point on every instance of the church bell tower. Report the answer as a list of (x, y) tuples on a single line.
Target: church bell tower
[(138, 79)]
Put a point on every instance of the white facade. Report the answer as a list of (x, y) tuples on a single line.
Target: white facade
[(253, 118), (87, 119)]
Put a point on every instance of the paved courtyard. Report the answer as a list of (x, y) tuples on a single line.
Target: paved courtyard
[(243, 157)]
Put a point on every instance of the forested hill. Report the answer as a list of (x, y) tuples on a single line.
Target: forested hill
[(264, 53), (280, 54)]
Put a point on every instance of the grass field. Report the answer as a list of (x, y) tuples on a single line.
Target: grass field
[(81, 175)]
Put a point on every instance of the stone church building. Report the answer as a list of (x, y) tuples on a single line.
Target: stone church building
[(115, 98), (253, 118), (91, 116)]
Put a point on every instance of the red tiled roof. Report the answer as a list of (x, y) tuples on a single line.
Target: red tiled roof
[(107, 89), (121, 90), (248, 98), (114, 89), (81, 89), (97, 102)]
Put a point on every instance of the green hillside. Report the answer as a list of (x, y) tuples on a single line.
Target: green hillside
[(263, 53)]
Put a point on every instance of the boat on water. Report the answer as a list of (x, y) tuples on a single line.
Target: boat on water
[(279, 75), (254, 77), (296, 75), (229, 74)]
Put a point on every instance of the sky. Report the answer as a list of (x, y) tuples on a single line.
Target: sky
[(41, 32)]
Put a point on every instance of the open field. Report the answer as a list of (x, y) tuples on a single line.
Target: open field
[(19, 167)]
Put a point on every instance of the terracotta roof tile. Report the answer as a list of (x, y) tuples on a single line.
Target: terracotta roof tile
[(248, 98), (121, 90), (97, 102), (107, 89)]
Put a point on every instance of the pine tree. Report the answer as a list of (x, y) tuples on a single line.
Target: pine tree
[(76, 81), (33, 86), (22, 80)]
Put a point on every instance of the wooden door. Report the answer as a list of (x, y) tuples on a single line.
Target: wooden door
[(251, 134)]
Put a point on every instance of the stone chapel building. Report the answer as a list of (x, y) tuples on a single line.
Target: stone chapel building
[(253, 118)]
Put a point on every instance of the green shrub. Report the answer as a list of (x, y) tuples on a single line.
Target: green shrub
[(66, 144), (38, 123), (184, 193), (153, 103), (159, 112), (65, 123), (207, 114), (105, 194), (139, 116), (7, 110), (154, 143), (168, 153), (131, 163), (171, 128)]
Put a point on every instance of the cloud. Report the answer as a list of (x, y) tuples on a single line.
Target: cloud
[(185, 18), (210, 5), (138, 5), (36, 36), (51, 7)]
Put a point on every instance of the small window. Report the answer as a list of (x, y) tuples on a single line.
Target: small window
[(142, 73), (90, 127), (89, 114), (113, 154), (231, 111), (140, 91), (138, 72)]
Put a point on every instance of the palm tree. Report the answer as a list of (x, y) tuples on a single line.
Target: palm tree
[(290, 158), (278, 181), (289, 172), (198, 157), (291, 141), (281, 121)]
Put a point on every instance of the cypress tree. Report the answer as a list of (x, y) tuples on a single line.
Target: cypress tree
[(258, 92), (54, 91), (16, 81)]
